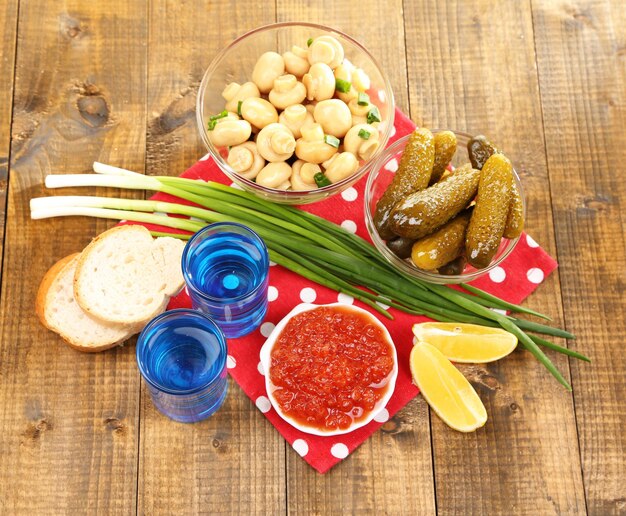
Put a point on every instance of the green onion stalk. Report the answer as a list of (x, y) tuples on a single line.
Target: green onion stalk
[(306, 244)]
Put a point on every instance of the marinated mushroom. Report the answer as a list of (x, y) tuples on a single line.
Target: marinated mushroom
[(296, 61), (235, 93), (319, 82), (275, 175), (303, 175), (259, 112), (275, 142), (287, 91), (334, 116), (340, 166), (246, 160), (343, 72), (228, 132), (269, 66), (327, 50), (311, 146), (362, 140), (294, 117)]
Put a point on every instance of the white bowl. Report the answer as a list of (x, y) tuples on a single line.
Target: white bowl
[(266, 363)]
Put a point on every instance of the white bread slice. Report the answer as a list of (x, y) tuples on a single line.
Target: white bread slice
[(125, 276), (59, 312)]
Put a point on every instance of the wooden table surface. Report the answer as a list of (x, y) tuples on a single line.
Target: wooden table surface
[(115, 81)]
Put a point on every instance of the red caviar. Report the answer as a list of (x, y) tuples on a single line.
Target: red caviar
[(329, 367)]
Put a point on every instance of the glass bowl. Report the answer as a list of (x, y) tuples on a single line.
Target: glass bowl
[(377, 182), (266, 362), (235, 64)]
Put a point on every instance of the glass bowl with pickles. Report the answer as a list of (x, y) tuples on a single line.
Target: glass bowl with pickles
[(444, 206)]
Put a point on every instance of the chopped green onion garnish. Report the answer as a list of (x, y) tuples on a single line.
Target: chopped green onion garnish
[(363, 99), (342, 86), (364, 134), (309, 41), (239, 107), (213, 119), (373, 115), (321, 180), (331, 140)]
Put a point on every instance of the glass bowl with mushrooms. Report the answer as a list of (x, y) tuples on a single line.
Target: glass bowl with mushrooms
[(295, 112)]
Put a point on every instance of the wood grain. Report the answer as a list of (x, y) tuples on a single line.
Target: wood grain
[(472, 67), (68, 420), (401, 454), (234, 461), (581, 51), (8, 23)]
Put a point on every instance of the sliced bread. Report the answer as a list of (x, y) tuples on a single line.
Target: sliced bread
[(125, 276), (58, 311)]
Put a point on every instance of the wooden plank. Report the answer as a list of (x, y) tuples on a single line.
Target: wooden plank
[(581, 50), (392, 471), (8, 22), (69, 421), (234, 461), (472, 67)]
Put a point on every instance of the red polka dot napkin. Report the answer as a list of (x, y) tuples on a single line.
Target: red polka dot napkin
[(514, 280)]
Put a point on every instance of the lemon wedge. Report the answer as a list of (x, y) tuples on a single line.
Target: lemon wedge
[(446, 390), (467, 343)]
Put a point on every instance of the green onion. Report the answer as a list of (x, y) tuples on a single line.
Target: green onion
[(213, 119), (239, 103), (364, 134), (309, 42), (332, 140), (302, 242), (373, 115), (342, 85), (321, 180), (363, 99)]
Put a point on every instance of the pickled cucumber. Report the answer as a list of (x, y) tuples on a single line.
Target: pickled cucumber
[(455, 267), (413, 174), (442, 246), (480, 150), (445, 148), (401, 247), (486, 226), (423, 212), (515, 218)]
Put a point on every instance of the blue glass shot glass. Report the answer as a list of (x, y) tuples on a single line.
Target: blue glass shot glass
[(181, 355), (225, 267)]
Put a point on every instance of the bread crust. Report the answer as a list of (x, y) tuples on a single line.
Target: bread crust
[(44, 298), (44, 287)]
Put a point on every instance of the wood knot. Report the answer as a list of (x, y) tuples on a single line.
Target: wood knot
[(514, 407), (35, 429), (593, 204), (93, 109), (216, 443), (115, 425), (70, 28), (392, 426)]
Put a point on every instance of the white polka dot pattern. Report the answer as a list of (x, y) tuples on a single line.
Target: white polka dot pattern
[(535, 275), (531, 241), (382, 416), (344, 298), (267, 328), (272, 293), (308, 295), (497, 274), (349, 225), (350, 194), (301, 447), (392, 166), (263, 404), (339, 450), (231, 363)]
